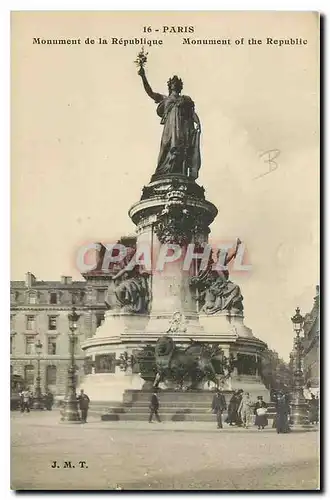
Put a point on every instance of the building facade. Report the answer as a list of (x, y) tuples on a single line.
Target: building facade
[(311, 341), (39, 311)]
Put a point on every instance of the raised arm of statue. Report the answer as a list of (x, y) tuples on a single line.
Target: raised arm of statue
[(153, 95), (233, 252)]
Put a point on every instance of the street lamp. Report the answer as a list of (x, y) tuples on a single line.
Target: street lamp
[(37, 400), (71, 413), (299, 408)]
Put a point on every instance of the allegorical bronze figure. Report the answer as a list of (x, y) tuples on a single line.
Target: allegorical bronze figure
[(180, 143)]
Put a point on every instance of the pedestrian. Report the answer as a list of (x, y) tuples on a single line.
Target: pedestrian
[(313, 410), (245, 409), (233, 416), (25, 398), (154, 407), (83, 405), (282, 413), (260, 411), (49, 400), (218, 406)]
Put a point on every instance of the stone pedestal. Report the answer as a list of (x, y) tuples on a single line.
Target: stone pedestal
[(110, 387), (172, 211)]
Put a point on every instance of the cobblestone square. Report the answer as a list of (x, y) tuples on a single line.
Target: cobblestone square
[(165, 456)]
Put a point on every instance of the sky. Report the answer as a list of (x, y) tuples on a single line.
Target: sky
[(85, 140)]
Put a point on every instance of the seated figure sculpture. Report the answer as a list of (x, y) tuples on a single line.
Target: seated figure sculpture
[(216, 292)]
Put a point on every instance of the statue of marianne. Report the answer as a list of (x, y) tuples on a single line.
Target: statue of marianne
[(179, 148)]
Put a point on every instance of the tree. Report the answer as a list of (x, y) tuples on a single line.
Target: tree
[(275, 372)]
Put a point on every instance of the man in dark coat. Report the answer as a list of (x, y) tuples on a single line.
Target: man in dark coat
[(313, 410), (83, 405), (218, 406), (49, 399), (154, 407)]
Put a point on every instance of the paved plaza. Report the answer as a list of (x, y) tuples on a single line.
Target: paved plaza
[(165, 456)]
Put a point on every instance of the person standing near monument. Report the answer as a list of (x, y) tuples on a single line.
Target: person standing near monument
[(282, 413), (49, 400), (218, 407), (260, 411), (233, 416), (25, 400), (154, 407), (83, 405), (313, 409), (245, 409)]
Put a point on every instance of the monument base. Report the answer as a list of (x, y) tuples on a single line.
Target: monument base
[(110, 387), (175, 406)]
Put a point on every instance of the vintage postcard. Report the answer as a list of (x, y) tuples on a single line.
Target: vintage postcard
[(164, 294)]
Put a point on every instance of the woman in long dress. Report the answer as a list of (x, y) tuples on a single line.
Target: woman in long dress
[(260, 411), (233, 416), (282, 413), (179, 148)]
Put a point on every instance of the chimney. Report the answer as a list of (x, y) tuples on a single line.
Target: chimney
[(30, 279), (66, 280)]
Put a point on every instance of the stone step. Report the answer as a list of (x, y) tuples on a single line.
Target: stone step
[(168, 411), (190, 396), (186, 404), (172, 404), (174, 417), (164, 404), (172, 396)]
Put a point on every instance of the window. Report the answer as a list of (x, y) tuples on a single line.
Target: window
[(12, 322), (14, 296), (51, 375), (100, 296), (99, 320), (29, 376), (30, 322), (53, 298), (74, 298), (11, 344), (52, 322), (246, 364), (51, 345), (29, 344), (32, 298)]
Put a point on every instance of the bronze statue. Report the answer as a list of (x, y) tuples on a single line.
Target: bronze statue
[(223, 295), (216, 293), (132, 291), (192, 366), (179, 148)]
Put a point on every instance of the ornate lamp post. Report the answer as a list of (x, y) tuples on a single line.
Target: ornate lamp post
[(37, 400), (299, 408), (70, 413)]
